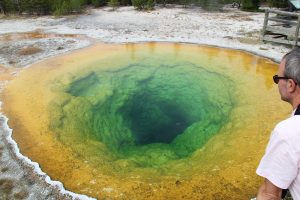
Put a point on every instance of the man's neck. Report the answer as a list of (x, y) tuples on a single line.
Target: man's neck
[(295, 98), (296, 103)]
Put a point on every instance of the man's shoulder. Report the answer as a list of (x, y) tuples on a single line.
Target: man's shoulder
[(289, 126), (291, 121)]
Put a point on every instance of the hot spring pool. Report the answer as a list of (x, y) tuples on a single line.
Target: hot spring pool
[(147, 121)]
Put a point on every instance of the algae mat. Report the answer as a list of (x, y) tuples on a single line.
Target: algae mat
[(147, 121)]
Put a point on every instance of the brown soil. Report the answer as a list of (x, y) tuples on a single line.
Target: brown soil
[(29, 51)]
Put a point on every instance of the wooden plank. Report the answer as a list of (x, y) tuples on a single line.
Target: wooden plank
[(285, 34), (278, 40), (283, 13), (275, 19), (290, 32), (265, 22), (297, 32)]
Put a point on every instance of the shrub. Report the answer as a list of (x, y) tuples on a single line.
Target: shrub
[(114, 4), (27, 6), (40, 6), (62, 9), (98, 3), (163, 2), (75, 5), (278, 3), (185, 3), (143, 4), (8, 6), (250, 5), (150, 4), (125, 2), (139, 4)]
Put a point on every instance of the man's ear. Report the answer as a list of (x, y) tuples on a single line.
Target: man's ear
[(291, 85)]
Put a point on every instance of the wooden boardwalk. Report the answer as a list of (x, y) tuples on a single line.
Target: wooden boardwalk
[(281, 27)]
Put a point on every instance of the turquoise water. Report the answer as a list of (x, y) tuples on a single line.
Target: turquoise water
[(151, 111)]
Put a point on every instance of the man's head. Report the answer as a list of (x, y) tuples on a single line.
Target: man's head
[(289, 71)]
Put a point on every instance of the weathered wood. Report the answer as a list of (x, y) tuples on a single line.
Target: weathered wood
[(281, 30), (279, 12), (277, 40), (282, 20), (284, 32), (265, 22), (297, 32)]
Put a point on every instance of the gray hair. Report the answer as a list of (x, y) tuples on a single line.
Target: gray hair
[(292, 65)]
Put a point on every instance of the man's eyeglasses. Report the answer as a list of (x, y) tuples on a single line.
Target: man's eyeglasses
[(276, 78)]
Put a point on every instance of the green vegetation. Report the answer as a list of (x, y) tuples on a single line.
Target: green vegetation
[(98, 3), (250, 5), (143, 4), (42, 7), (114, 4), (63, 7), (278, 3)]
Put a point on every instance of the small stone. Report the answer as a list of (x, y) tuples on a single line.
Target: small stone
[(262, 48), (59, 48)]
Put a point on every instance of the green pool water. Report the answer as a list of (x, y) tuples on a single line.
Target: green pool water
[(150, 111), (148, 121)]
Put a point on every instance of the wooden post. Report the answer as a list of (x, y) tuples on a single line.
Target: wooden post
[(297, 32), (265, 23)]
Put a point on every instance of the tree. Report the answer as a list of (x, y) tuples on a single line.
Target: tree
[(26, 6), (76, 5), (114, 4), (125, 2), (278, 3), (185, 3), (98, 3), (8, 6), (41, 7), (2, 10), (62, 8), (143, 4), (250, 5), (150, 4)]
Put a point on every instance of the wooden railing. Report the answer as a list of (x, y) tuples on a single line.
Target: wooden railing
[(285, 30)]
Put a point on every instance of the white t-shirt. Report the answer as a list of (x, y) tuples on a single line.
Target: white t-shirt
[(281, 161)]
